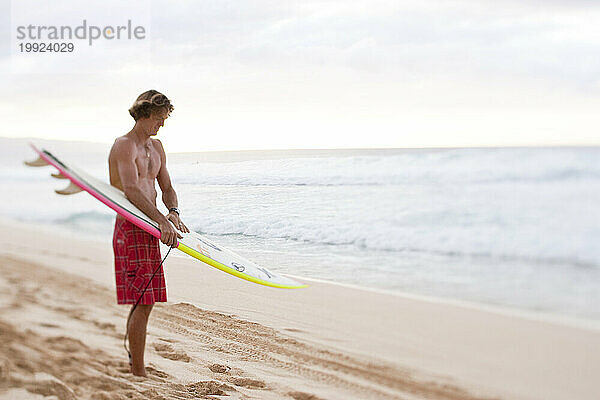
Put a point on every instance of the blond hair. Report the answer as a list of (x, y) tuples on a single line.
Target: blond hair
[(150, 102)]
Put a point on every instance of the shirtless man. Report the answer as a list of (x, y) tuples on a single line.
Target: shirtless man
[(135, 162)]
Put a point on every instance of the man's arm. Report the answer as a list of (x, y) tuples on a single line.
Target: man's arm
[(128, 175), (169, 197)]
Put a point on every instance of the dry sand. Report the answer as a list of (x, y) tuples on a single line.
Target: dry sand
[(61, 336)]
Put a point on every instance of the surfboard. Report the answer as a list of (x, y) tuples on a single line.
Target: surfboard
[(194, 244)]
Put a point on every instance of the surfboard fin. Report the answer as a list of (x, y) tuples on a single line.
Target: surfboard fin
[(58, 176), (39, 162), (71, 189)]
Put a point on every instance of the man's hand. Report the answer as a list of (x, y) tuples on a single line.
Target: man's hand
[(174, 218), (168, 234)]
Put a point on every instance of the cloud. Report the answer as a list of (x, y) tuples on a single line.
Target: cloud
[(525, 41), (334, 64), (529, 40)]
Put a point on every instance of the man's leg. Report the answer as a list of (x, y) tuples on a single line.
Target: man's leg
[(137, 338)]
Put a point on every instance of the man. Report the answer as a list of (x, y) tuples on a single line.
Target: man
[(135, 162)]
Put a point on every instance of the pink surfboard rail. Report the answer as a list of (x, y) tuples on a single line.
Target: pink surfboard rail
[(119, 210), (227, 261)]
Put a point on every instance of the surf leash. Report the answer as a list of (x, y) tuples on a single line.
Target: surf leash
[(138, 302)]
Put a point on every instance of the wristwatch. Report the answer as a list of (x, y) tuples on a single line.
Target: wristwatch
[(175, 209)]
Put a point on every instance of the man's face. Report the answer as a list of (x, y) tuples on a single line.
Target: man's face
[(155, 122)]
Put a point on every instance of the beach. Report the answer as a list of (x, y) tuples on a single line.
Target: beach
[(377, 200), (385, 200), (222, 337)]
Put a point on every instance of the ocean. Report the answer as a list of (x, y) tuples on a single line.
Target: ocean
[(511, 227)]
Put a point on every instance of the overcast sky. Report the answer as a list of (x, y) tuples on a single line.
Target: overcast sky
[(315, 74)]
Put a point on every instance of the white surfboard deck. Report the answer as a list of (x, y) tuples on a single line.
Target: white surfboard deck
[(194, 244)]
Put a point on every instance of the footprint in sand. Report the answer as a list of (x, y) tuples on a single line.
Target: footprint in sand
[(167, 351), (247, 382), (104, 384), (303, 396), (205, 388), (219, 369), (46, 325), (119, 366), (156, 373), (66, 344), (49, 385), (105, 326)]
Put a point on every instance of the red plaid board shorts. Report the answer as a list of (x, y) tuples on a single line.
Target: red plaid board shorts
[(137, 255)]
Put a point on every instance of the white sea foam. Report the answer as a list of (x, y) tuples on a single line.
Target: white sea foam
[(504, 226), (456, 166)]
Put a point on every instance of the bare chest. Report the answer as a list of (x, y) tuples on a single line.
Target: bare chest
[(147, 161)]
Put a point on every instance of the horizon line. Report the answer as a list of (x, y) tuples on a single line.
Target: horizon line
[(425, 147)]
